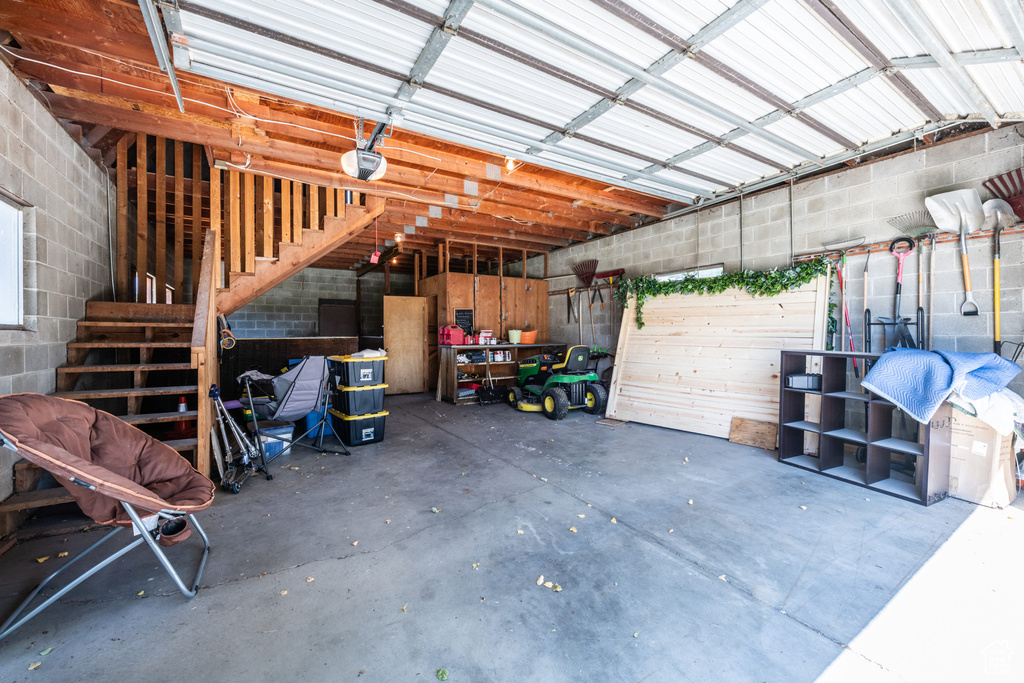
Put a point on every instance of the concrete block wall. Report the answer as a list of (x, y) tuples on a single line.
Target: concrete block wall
[(849, 204), (66, 252), (290, 309)]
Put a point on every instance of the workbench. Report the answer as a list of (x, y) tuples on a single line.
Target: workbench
[(500, 372)]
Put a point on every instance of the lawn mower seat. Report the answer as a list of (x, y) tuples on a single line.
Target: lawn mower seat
[(575, 359), (118, 475)]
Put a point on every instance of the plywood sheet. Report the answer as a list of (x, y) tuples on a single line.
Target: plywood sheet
[(405, 337), (701, 361)]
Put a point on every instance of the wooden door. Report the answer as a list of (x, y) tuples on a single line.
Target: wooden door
[(405, 338)]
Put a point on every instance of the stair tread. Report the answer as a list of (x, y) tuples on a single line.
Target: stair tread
[(129, 345), (152, 418), (124, 368), (182, 444), (129, 323), (35, 499), (117, 393)]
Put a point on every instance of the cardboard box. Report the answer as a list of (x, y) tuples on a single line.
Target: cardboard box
[(982, 466)]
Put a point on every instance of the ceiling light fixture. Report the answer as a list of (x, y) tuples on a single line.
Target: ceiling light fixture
[(510, 163)]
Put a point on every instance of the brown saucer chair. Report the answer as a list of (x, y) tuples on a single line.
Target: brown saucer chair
[(118, 475)]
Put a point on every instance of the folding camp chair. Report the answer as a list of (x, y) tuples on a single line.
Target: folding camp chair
[(118, 475), (296, 393)]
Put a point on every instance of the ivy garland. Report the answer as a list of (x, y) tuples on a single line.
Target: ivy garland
[(758, 283)]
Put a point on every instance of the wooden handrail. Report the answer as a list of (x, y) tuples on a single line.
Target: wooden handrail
[(204, 345)]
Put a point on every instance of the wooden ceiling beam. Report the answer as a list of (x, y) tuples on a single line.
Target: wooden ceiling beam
[(210, 100), (401, 193), (468, 227), (36, 20)]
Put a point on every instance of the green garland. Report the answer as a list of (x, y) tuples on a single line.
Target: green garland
[(758, 283)]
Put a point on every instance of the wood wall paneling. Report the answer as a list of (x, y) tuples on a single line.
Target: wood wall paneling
[(702, 360), (249, 224)]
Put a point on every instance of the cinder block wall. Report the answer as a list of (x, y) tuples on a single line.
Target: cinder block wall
[(290, 309), (849, 204), (66, 252)]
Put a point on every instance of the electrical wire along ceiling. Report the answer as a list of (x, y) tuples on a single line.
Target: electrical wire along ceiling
[(686, 100)]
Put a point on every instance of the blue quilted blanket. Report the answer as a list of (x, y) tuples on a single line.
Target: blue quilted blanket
[(919, 381)]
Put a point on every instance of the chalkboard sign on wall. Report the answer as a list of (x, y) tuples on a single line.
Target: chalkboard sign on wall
[(464, 319)]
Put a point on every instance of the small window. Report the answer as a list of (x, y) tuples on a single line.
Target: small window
[(702, 272), (11, 276)]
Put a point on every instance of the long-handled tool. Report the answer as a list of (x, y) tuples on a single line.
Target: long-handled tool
[(842, 246), (901, 324), (969, 302), (996, 345), (959, 211), (931, 291), (846, 317)]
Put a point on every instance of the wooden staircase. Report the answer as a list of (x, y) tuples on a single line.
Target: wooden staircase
[(132, 360)]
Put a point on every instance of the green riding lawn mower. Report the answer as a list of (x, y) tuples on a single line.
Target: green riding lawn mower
[(555, 384)]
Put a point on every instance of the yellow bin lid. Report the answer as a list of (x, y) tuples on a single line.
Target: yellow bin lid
[(375, 386), (343, 416), (350, 359)]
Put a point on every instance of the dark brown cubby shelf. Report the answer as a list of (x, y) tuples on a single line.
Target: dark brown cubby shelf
[(839, 442)]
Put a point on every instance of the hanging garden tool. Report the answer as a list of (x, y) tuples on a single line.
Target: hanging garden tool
[(842, 246), (900, 323), (959, 211), (998, 216), (903, 336)]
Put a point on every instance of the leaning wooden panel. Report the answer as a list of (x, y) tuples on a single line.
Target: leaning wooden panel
[(694, 367)]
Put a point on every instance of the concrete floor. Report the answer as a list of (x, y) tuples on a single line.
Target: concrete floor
[(742, 585)]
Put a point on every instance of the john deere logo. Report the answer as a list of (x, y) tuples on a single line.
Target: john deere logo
[(579, 358)]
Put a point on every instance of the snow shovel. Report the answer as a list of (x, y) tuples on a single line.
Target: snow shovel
[(959, 211)]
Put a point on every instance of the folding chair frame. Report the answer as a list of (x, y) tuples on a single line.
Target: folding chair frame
[(149, 537), (321, 425)]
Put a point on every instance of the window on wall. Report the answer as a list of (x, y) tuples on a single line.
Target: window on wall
[(702, 272), (11, 296)]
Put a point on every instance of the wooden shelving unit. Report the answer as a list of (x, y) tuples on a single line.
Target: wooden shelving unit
[(838, 442), (500, 371)]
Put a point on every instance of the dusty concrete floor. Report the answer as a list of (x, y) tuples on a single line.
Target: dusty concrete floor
[(740, 585)]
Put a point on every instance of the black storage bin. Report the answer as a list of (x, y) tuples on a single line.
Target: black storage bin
[(360, 400), (358, 372), (358, 430)]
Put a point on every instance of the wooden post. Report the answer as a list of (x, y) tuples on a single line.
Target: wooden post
[(501, 293), (329, 202), (297, 212), (216, 208), (197, 216), (268, 217), (249, 239), (141, 218), (524, 264), (179, 222), (476, 264), (234, 230), (122, 219), (416, 273), (286, 211), (546, 265), (160, 237), (314, 207), (440, 257)]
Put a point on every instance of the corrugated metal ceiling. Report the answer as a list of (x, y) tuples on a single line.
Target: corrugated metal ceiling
[(643, 93)]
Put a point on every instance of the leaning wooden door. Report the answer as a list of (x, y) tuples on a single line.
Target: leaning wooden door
[(405, 338)]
